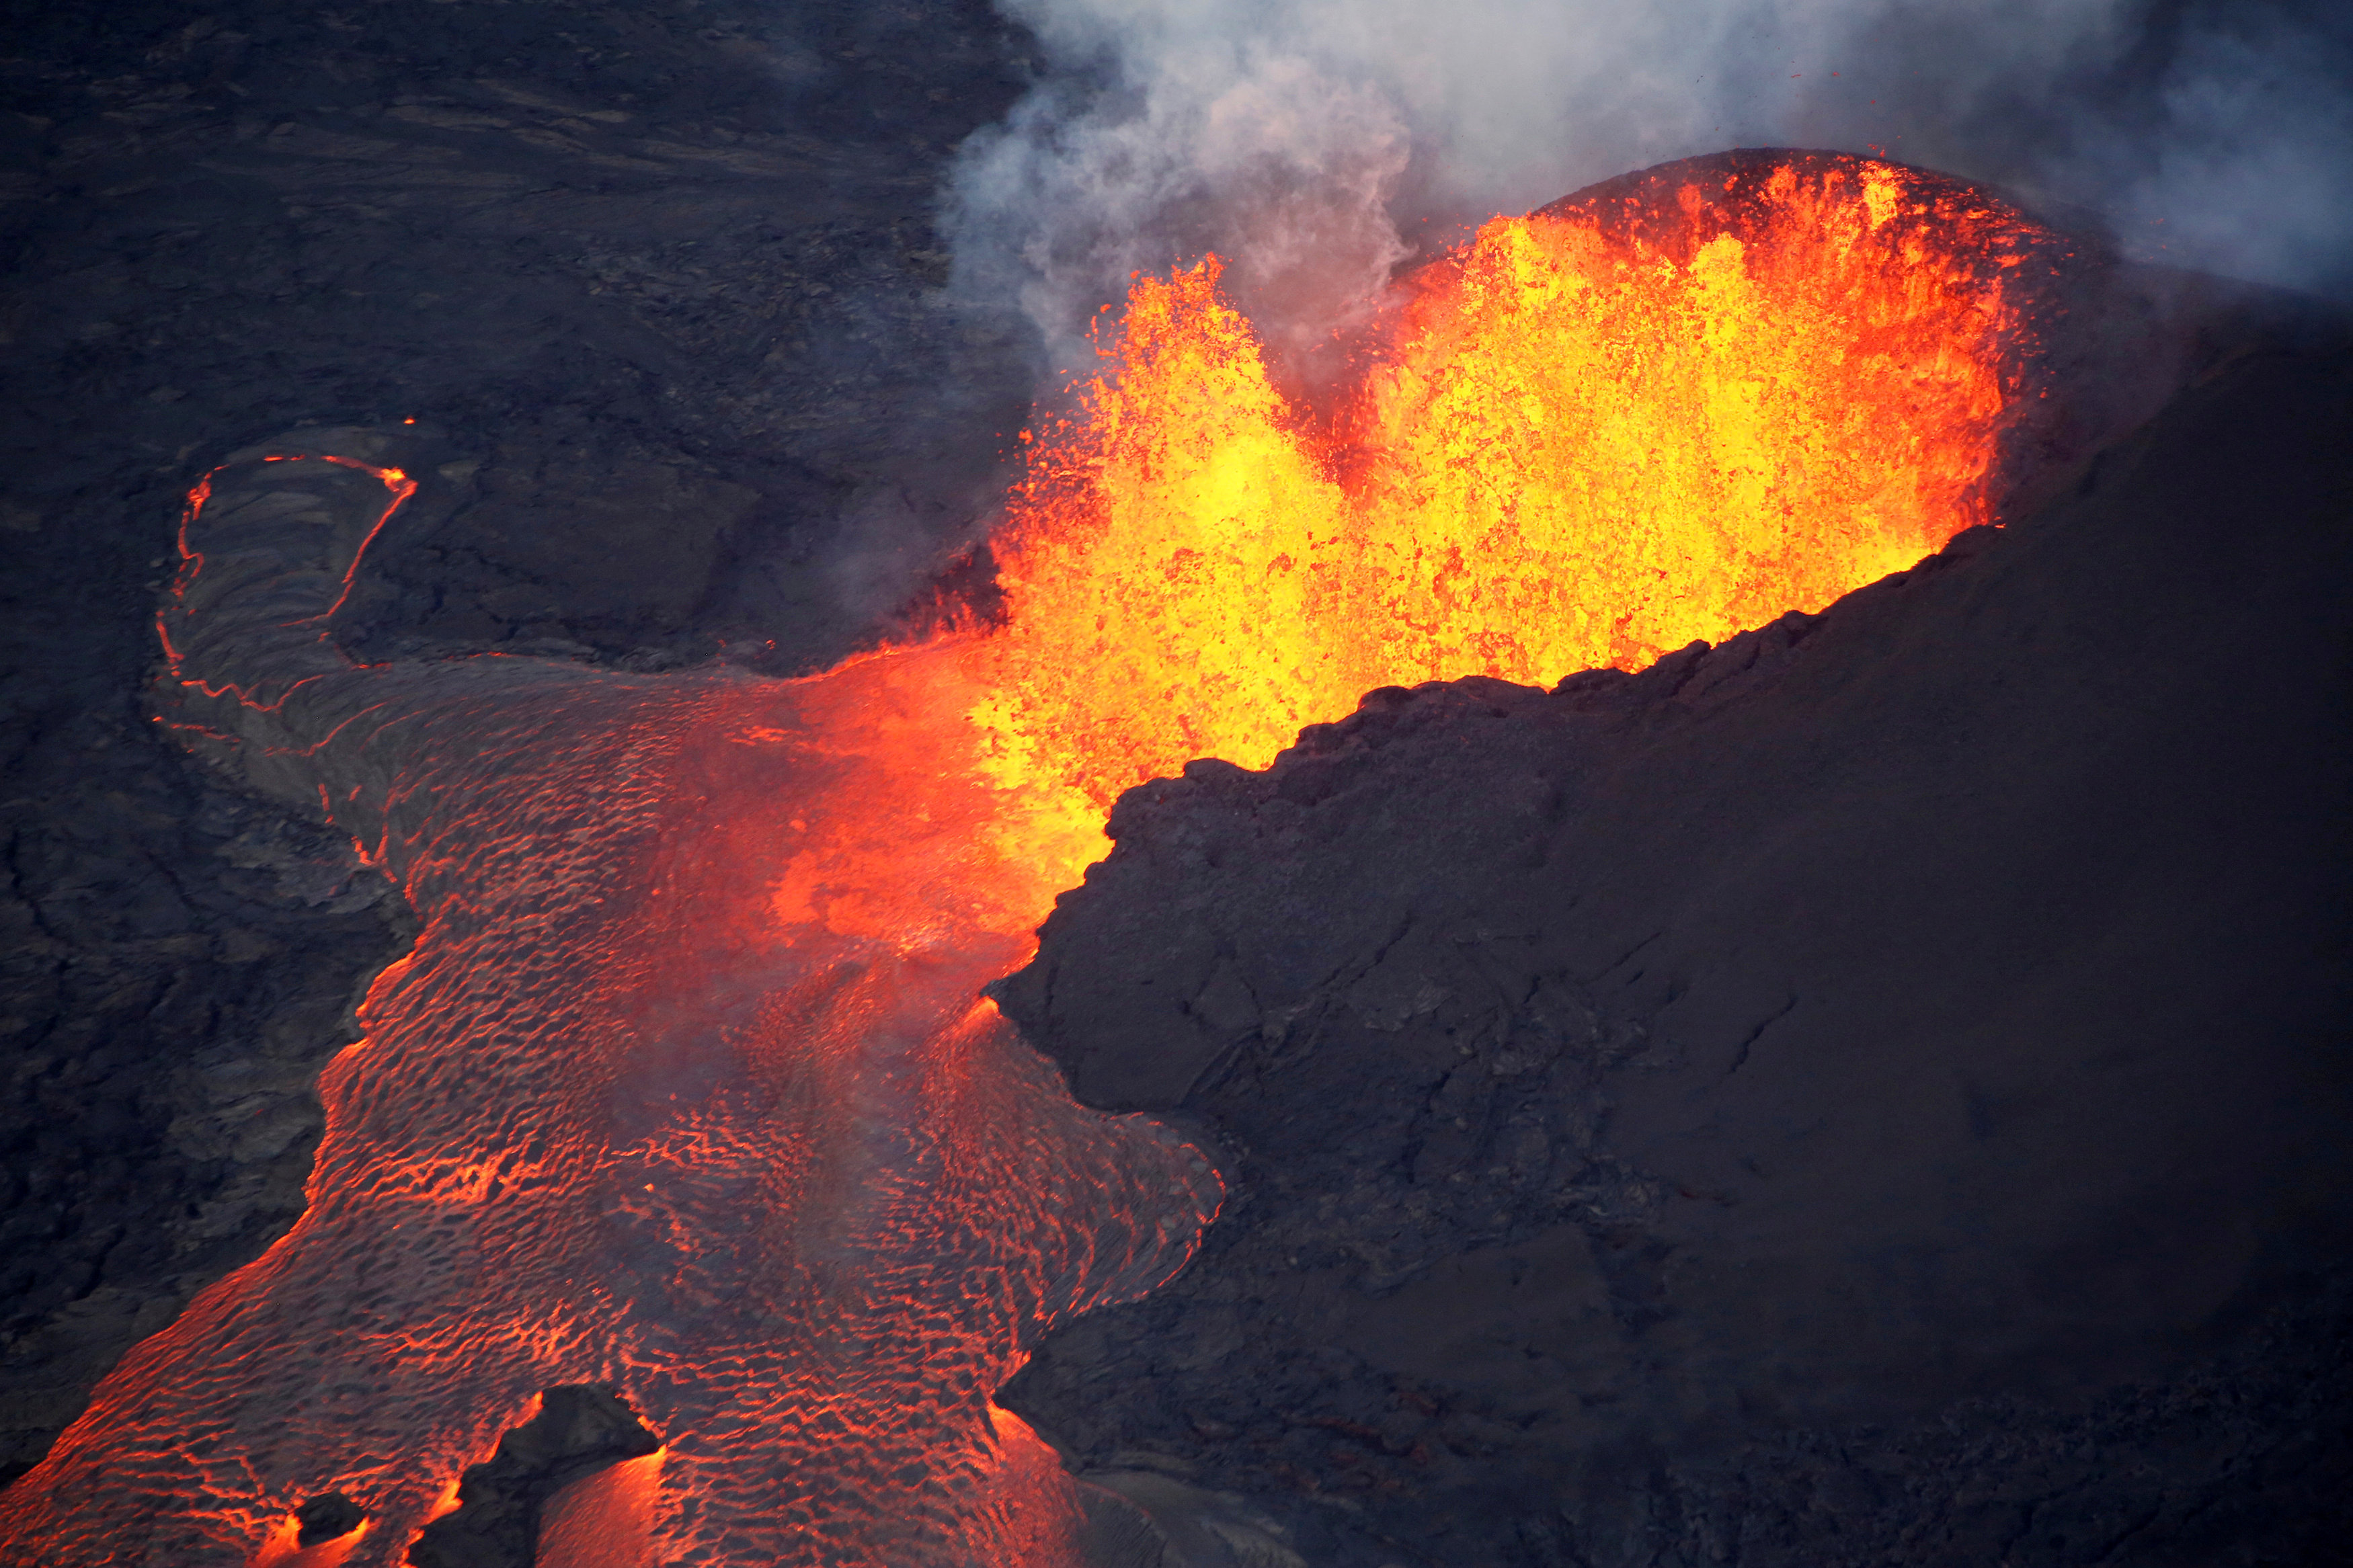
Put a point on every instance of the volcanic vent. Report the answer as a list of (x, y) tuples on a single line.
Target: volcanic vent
[(1666, 409), (685, 1088)]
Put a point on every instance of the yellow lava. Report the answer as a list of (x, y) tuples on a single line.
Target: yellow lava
[(1581, 446)]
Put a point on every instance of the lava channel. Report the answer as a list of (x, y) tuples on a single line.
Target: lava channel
[(687, 1085)]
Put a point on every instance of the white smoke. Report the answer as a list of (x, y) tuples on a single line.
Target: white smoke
[(1315, 143), (2252, 174)]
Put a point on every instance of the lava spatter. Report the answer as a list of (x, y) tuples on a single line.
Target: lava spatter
[(686, 1086), (1666, 410)]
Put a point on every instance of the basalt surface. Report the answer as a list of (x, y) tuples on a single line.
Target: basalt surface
[(1872, 1092)]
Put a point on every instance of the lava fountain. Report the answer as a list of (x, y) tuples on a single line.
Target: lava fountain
[(687, 1085)]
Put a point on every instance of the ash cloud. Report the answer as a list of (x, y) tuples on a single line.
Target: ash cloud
[(2251, 171), (1316, 144)]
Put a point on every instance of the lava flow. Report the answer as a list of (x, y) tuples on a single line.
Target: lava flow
[(685, 1086)]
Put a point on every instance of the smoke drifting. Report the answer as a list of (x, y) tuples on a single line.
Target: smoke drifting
[(1315, 143), (2251, 169)]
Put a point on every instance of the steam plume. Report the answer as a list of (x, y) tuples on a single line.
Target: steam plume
[(1316, 142)]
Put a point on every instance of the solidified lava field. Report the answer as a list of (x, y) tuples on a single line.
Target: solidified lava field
[(1863, 1092)]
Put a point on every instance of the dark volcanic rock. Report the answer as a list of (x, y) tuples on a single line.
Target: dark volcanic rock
[(180, 964), (1873, 1092), (670, 267), (578, 1430), (327, 1517)]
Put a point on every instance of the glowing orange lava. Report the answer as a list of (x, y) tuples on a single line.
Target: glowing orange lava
[(1588, 437), (684, 1087)]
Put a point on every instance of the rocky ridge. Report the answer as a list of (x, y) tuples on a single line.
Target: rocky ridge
[(1870, 1092)]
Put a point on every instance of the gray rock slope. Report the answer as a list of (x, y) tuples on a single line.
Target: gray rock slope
[(1875, 1092)]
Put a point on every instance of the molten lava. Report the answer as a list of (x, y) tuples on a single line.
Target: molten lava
[(1591, 436), (684, 1087)]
